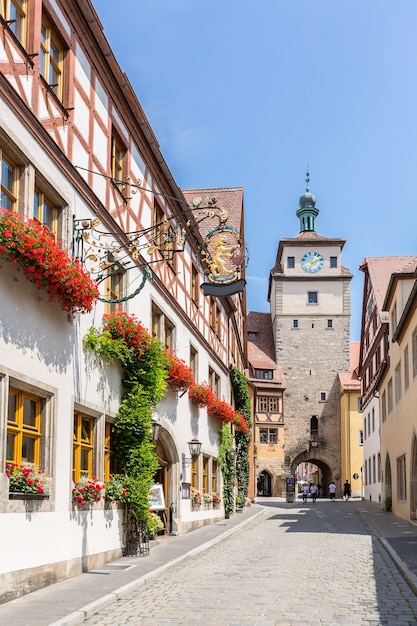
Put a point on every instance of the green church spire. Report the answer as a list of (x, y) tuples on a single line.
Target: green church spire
[(307, 211)]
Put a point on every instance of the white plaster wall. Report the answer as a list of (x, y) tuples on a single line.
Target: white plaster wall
[(54, 537), (82, 69), (295, 297), (298, 252), (372, 446), (81, 116)]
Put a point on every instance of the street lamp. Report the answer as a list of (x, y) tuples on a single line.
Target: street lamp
[(194, 447), (155, 430)]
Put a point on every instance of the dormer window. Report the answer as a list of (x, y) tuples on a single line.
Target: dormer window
[(252, 335), (264, 374)]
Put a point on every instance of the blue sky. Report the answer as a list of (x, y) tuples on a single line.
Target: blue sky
[(246, 94)]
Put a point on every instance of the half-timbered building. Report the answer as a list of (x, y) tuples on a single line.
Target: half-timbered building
[(79, 156)]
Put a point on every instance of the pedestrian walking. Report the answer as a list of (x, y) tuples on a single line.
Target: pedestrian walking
[(332, 491), (305, 491), (347, 492), (314, 492)]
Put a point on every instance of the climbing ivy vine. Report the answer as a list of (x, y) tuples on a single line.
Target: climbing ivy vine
[(242, 404), (145, 369), (227, 465)]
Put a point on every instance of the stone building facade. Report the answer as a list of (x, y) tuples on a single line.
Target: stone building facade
[(309, 295), (267, 385)]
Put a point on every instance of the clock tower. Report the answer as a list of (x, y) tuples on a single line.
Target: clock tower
[(309, 295)]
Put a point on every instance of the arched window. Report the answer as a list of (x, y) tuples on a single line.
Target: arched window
[(314, 427)]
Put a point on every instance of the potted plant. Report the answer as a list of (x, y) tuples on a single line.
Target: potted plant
[(25, 479), (388, 503), (154, 524)]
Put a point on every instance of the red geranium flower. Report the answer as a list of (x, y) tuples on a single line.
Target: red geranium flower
[(45, 263), (180, 375), (221, 410), (129, 329), (200, 394)]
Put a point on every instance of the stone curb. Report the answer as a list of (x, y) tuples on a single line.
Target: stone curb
[(398, 562), (79, 616), (405, 571)]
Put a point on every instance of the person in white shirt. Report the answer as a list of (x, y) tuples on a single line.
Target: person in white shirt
[(313, 491), (305, 493), (332, 491)]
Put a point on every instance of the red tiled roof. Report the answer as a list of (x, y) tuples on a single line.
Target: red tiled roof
[(229, 199), (349, 380), (311, 235), (380, 270), (261, 351)]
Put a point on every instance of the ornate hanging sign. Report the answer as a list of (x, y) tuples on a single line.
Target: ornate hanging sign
[(222, 255)]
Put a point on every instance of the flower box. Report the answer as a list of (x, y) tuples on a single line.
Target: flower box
[(26, 480), (221, 410), (216, 498), (33, 247), (87, 490), (180, 375), (21, 495), (196, 498), (200, 394)]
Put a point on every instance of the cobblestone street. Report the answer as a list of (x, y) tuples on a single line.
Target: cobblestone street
[(311, 564)]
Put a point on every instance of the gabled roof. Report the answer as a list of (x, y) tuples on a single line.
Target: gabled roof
[(261, 351), (300, 240), (229, 199), (380, 270), (349, 380)]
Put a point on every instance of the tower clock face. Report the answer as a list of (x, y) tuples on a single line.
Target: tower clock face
[(312, 262)]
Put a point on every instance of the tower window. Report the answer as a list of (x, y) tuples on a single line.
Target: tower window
[(295, 324), (314, 427), (329, 323), (333, 261), (312, 297), (291, 262)]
